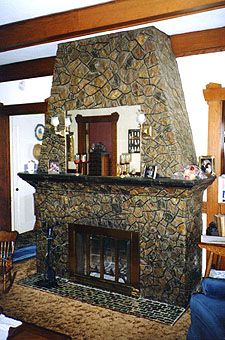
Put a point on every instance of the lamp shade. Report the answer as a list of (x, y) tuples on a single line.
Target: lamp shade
[(55, 121), (140, 117)]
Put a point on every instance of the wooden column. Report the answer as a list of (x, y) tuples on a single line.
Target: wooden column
[(5, 195), (214, 94)]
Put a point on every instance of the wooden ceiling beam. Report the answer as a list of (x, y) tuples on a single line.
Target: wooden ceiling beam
[(23, 109), (27, 69), (183, 45), (112, 15), (207, 41)]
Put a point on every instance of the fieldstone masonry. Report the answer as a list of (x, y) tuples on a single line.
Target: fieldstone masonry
[(126, 68), (136, 67)]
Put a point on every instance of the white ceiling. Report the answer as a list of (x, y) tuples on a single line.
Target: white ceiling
[(16, 10)]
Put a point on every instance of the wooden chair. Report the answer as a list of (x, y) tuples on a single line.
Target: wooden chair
[(216, 251), (7, 248)]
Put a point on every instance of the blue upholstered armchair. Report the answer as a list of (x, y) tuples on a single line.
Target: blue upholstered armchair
[(208, 307), (208, 311)]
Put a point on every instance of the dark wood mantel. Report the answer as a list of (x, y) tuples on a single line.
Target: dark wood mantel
[(166, 182)]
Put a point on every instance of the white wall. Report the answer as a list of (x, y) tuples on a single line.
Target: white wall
[(25, 91), (196, 72)]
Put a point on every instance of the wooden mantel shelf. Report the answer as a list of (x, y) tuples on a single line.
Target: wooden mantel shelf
[(163, 182)]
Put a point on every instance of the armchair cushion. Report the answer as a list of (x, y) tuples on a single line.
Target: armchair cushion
[(208, 311), (214, 288), (207, 318)]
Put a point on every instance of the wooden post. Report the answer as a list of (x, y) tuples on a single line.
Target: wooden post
[(5, 195), (214, 94)]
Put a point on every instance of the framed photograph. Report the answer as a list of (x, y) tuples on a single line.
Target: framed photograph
[(134, 140), (150, 171), (207, 164), (53, 167)]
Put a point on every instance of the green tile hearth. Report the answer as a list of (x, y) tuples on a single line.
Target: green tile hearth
[(139, 307)]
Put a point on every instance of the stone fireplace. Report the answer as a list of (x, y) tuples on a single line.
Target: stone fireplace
[(165, 213), (127, 68)]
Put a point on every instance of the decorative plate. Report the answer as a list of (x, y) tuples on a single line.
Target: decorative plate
[(37, 151), (39, 131)]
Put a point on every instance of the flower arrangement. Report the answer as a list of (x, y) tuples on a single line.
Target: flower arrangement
[(190, 172)]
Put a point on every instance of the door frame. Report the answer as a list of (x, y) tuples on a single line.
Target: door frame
[(5, 167), (5, 186)]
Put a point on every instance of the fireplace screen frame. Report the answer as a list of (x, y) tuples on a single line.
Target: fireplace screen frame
[(131, 287)]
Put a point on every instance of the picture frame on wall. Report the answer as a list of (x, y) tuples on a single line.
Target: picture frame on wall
[(207, 164), (150, 171), (134, 143), (53, 167)]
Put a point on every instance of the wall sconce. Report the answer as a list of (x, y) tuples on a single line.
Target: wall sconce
[(65, 130), (141, 119)]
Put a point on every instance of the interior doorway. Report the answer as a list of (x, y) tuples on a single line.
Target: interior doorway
[(99, 129), (23, 137)]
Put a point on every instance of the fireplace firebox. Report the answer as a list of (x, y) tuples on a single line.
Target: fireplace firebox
[(106, 258)]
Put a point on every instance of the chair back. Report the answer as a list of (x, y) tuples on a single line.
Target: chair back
[(7, 244)]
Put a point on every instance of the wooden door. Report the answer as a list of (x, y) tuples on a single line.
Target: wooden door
[(84, 122)]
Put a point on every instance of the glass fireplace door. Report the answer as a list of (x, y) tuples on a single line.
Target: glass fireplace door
[(103, 257)]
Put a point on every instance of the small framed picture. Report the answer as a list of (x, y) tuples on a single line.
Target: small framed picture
[(207, 164), (53, 167), (150, 171)]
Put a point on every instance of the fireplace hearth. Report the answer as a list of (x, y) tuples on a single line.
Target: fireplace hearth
[(139, 307), (106, 258)]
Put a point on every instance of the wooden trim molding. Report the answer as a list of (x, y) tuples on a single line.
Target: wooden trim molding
[(27, 69), (204, 207), (23, 109), (193, 43), (113, 117), (99, 18), (214, 92)]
